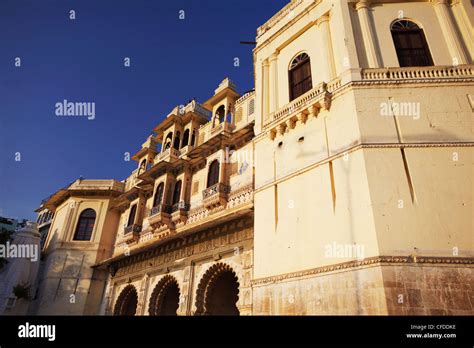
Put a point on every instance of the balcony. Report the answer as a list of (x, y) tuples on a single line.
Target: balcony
[(133, 228), (185, 149), (132, 180), (168, 155), (132, 233), (159, 215), (207, 132), (179, 213), (215, 195), (318, 97)]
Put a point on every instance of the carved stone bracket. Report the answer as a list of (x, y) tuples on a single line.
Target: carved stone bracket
[(299, 110)]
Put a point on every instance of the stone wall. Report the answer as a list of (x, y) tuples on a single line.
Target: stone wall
[(377, 289)]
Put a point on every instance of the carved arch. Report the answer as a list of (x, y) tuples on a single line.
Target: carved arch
[(159, 292), (206, 285), (127, 301)]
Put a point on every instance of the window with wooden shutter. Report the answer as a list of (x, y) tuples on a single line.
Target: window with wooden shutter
[(300, 76), (410, 44)]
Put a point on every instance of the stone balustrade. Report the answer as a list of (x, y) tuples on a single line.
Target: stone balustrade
[(415, 73)]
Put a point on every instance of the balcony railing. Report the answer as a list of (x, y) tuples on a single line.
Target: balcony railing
[(159, 215), (133, 228), (185, 149), (215, 195), (179, 213), (414, 73), (180, 206), (300, 103), (160, 208), (169, 154), (132, 180), (206, 132)]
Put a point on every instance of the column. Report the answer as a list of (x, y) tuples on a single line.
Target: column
[(184, 186), (141, 205), (222, 168), (368, 34), (109, 297), (465, 23), (142, 295), (451, 36), (273, 82), (168, 189), (265, 88), (323, 24)]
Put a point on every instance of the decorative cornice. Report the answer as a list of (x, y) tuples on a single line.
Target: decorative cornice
[(285, 11), (376, 260)]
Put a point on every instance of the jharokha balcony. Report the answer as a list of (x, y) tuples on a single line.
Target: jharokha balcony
[(215, 195), (160, 215), (168, 155), (132, 233), (179, 213)]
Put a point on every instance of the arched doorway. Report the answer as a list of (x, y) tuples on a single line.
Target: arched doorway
[(220, 113), (165, 297), (218, 292), (127, 302)]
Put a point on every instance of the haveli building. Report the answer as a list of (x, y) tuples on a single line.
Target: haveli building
[(358, 137)]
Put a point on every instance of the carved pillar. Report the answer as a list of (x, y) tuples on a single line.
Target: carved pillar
[(222, 167), (167, 189), (142, 296), (449, 31), (265, 88), (273, 82), (368, 34), (109, 299), (141, 206), (186, 186), (326, 39)]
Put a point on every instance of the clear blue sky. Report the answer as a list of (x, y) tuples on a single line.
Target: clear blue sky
[(172, 61)]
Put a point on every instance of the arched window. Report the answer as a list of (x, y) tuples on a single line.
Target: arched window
[(213, 174), (126, 304), (410, 44), (176, 192), (85, 225), (185, 138), (220, 113), (177, 138), (158, 195), (168, 139), (131, 216), (142, 167), (300, 76), (193, 138)]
